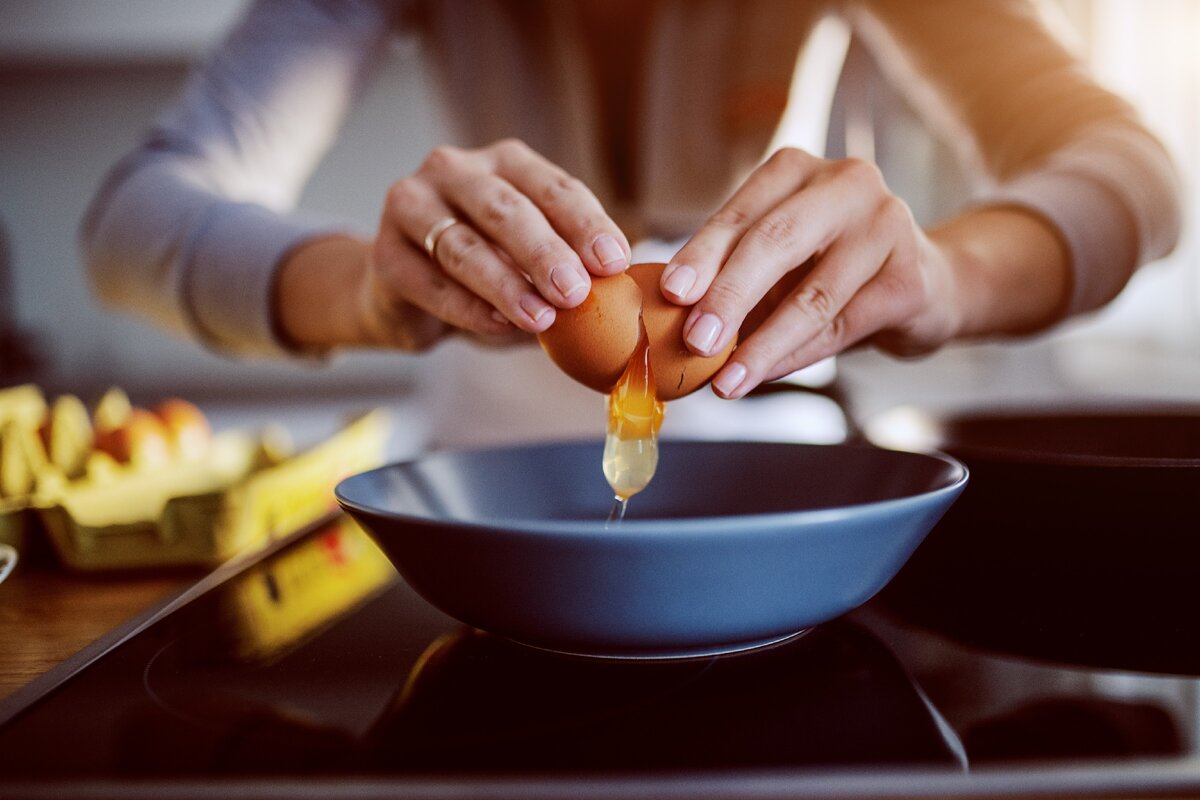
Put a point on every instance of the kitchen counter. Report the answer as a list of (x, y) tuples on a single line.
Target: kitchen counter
[(47, 615)]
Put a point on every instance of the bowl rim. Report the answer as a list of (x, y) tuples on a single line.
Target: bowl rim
[(764, 523)]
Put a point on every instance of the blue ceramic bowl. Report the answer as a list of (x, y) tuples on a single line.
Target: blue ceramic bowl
[(733, 545)]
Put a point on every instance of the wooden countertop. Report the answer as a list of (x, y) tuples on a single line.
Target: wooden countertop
[(48, 614)]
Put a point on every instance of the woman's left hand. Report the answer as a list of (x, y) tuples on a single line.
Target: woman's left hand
[(829, 256)]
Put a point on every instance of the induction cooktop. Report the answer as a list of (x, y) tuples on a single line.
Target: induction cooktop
[(314, 670)]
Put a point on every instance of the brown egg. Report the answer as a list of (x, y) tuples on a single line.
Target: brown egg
[(594, 341), (189, 429), (142, 440)]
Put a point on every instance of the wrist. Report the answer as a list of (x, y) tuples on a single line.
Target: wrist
[(317, 294), (1009, 271)]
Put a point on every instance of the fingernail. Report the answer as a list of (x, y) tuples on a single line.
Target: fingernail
[(535, 307), (568, 281), (680, 281), (729, 379), (498, 317), (608, 251), (704, 333)]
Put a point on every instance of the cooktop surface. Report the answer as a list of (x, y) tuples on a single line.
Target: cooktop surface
[(317, 669)]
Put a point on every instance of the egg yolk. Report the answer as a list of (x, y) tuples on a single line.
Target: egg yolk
[(634, 416)]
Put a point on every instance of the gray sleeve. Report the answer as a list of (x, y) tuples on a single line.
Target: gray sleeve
[(187, 229), (994, 80)]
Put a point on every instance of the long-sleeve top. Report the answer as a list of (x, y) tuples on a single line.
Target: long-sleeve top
[(189, 228)]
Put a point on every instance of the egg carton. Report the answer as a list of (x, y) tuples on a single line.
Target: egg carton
[(238, 498)]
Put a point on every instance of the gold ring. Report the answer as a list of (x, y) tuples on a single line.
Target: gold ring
[(435, 233)]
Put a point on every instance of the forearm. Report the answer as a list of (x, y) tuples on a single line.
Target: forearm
[(1010, 269), (189, 228), (159, 244), (996, 83)]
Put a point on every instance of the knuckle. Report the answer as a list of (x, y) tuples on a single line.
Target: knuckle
[(507, 297), (895, 214), (501, 205), (401, 195), (731, 217), (545, 255), (593, 225), (561, 187), (830, 339), (835, 331), (815, 301), (440, 159), (789, 159), (457, 252), (860, 171), (511, 147), (777, 231), (724, 296)]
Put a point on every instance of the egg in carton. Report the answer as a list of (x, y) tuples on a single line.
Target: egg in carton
[(128, 487)]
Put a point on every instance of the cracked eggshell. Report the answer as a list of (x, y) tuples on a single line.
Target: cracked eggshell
[(677, 370), (594, 341)]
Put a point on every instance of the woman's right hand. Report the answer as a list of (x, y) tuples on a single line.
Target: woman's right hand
[(526, 240)]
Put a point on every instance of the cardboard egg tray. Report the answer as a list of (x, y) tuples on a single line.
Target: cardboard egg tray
[(234, 500)]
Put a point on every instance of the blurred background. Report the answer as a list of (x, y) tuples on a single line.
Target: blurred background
[(79, 82)]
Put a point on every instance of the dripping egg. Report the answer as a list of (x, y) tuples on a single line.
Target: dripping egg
[(626, 340)]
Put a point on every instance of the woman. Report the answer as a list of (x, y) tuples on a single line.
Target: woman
[(587, 124)]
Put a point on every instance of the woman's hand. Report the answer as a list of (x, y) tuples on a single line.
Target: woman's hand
[(489, 241), (811, 256)]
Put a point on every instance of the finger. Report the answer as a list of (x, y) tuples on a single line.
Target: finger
[(414, 207), (814, 317), (504, 215), (892, 307), (801, 227), (474, 263), (872, 312), (570, 207), (690, 271), (402, 275)]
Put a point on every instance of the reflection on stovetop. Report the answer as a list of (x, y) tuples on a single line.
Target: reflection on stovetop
[(1008, 708), (472, 701), (320, 660)]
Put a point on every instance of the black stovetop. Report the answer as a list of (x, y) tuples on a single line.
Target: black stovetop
[(316, 670)]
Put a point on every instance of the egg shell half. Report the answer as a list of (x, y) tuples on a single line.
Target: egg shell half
[(677, 370), (594, 341)]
